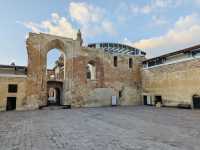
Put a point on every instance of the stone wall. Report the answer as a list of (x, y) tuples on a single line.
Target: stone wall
[(21, 102), (109, 80), (176, 83), (77, 91)]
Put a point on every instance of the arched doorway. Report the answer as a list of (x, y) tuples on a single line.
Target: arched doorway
[(55, 65), (54, 93), (196, 101), (38, 46), (54, 97)]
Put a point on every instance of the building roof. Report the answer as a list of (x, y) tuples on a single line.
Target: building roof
[(186, 50), (117, 48), (12, 66), (11, 69)]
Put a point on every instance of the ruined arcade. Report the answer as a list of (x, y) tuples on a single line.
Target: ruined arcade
[(91, 76)]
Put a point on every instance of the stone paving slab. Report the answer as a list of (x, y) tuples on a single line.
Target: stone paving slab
[(114, 128)]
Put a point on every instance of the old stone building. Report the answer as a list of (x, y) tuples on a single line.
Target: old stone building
[(88, 76), (100, 74), (173, 79)]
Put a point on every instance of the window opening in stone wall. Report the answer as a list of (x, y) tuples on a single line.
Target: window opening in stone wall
[(91, 70), (12, 88), (130, 63), (115, 61), (55, 65)]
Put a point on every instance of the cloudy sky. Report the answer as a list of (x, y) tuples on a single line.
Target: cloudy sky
[(156, 26)]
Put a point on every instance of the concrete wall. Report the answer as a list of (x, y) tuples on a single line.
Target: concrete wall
[(21, 102), (176, 83)]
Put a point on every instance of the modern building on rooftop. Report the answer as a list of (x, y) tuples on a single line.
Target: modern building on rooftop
[(118, 48)]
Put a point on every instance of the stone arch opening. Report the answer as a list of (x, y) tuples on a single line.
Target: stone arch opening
[(91, 70), (56, 48), (55, 65), (38, 46), (54, 93)]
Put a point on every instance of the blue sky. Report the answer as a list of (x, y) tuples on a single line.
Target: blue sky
[(156, 26)]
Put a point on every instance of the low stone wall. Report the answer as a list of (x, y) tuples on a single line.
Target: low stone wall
[(176, 83)]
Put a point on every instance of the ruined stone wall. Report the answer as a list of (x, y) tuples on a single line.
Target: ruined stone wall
[(21, 102), (78, 91), (176, 83), (38, 45), (109, 79)]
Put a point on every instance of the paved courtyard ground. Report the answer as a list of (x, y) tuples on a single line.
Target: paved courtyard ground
[(119, 128)]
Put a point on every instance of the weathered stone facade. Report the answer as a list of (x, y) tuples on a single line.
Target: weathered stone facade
[(176, 83), (172, 78), (78, 91), (21, 100)]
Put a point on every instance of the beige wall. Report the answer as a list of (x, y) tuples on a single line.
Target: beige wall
[(20, 95), (77, 90), (176, 83), (109, 79)]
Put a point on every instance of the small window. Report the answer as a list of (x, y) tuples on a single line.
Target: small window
[(12, 88), (120, 94), (91, 70), (130, 63), (115, 61)]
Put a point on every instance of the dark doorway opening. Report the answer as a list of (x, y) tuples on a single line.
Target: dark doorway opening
[(196, 101), (158, 99), (145, 99), (54, 97), (11, 103), (58, 96)]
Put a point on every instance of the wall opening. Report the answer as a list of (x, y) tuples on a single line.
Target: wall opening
[(12, 88), (130, 62), (91, 70), (196, 101), (55, 65), (11, 103), (158, 99), (145, 100), (120, 94), (115, 61), (54, 97)]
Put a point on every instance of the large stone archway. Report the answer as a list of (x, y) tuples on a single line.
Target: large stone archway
[(38, 45)]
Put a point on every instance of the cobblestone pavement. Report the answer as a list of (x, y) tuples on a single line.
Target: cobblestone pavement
[(126, 128)]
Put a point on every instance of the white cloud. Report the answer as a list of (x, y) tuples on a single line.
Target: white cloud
[(126, 41), (186, 32), (92, 19), (85, 13), (57, 25), (154, 5)]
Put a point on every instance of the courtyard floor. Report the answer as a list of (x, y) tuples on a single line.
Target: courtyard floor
[(114, 128)]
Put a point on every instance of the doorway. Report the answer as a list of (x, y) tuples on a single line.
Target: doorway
[(54, 96), (158, 99), (54, 93), (196, 101), (11, 103)]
